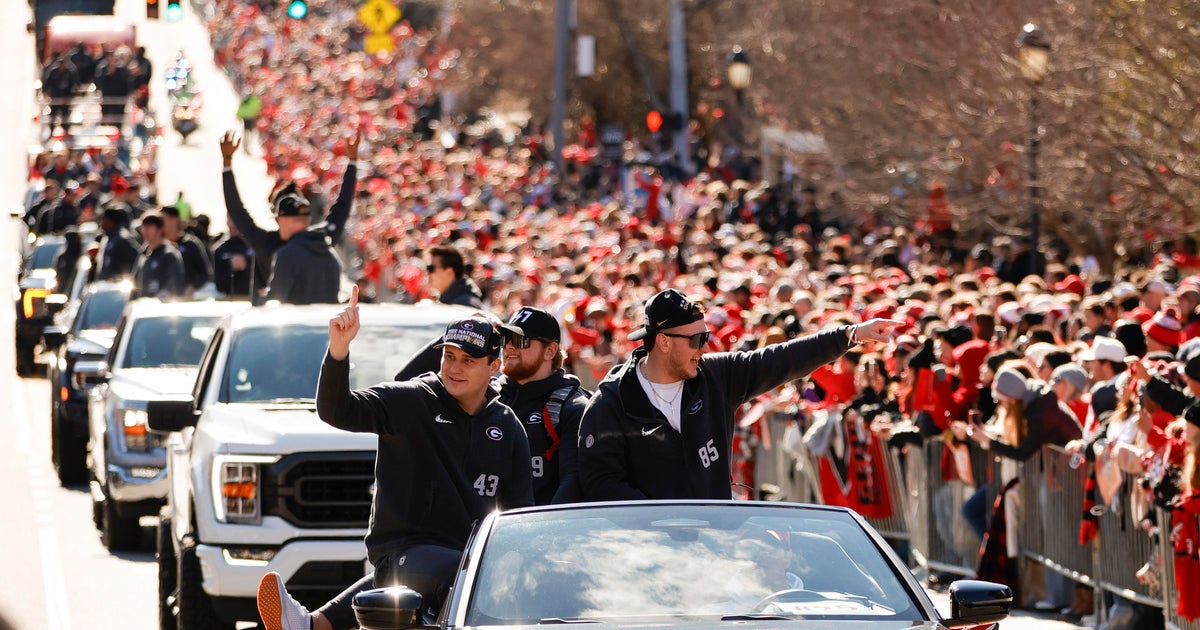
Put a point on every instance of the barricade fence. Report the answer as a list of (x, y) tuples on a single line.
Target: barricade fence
[(926, 511)]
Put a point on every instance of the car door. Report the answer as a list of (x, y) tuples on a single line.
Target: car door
[(98, 404), (180, 442)]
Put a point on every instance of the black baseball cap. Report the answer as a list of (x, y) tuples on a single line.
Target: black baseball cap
[(533, 323), (474, 335), (291, 205), (668, 309)]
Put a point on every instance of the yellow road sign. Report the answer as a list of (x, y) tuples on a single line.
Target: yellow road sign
[(378, 15), (377, 43)]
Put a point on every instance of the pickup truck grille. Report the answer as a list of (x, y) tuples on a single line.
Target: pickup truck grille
[(320, 490)]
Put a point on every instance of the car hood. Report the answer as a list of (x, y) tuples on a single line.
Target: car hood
[(92, 342), (278, 429), (774, 624), (152, 383)]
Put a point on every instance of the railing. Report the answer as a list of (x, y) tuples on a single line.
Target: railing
[(927, 513)]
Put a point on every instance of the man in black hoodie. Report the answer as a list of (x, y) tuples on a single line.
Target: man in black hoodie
[(660, 426), (427, 490), (266, 242), (306, 271), (547, 400)]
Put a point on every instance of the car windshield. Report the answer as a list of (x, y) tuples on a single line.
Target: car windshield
[(655, 562), (101, 310), (174, 340), (44, 255), (281, 363)]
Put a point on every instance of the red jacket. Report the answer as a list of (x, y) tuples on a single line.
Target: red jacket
[(1185, 539)]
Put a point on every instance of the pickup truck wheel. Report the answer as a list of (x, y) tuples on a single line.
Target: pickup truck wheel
[(195, 608), (119, 533), (68, 452), (26, 361), (164, 552)]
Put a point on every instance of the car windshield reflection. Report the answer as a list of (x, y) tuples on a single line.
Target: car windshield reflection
[(279, 364), (652, 563), (168, 341)]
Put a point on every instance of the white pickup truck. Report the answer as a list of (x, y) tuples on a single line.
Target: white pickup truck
[(258, 482)]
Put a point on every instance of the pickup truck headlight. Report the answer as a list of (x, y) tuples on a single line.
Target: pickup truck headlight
[(236, 487), (132, 423)]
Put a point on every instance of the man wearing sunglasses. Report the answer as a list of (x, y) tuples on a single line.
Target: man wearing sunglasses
[(548, 402), (660, 426)]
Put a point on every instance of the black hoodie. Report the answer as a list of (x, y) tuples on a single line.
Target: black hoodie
[(555, 470), (306, 271), (464, 292), (628, 451), (437, 469)]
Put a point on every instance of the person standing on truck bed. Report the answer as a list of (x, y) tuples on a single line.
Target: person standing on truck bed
[(267, 242), (449, 453)]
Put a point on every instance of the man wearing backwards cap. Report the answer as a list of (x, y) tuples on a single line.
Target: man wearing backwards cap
[(1105, 360), (449, 453), (661, 424), (290, 208)]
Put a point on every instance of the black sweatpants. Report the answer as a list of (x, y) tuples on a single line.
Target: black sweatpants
[(426, 569)]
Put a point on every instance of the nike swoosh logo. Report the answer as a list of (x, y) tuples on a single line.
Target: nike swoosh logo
[(440, 420), (649, 432)]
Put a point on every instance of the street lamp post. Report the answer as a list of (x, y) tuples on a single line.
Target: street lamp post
[(739, 73), (1033, 57)]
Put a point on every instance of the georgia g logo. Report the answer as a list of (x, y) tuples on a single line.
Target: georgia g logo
[(494, 433)]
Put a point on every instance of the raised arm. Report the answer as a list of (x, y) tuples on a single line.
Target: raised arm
[(339, 212), (259, 239)]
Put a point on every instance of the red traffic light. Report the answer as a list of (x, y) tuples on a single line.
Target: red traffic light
[(654, 121)]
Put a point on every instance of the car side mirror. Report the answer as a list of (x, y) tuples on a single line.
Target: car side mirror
[(53, 337), (55, 302), (392, 608), (974, 603), (170, 415), (93, 372)]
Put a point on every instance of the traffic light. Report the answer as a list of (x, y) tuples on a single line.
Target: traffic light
[(297, 9), (654, 121), (174, 11), (151, 9)]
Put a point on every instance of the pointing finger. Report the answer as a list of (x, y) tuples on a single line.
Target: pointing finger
[(354, 296)]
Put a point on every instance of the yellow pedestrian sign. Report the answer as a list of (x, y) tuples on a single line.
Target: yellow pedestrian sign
[(378, 42), (378, 15)]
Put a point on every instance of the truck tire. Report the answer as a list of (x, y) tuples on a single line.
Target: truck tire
[(119, 533), (67, 451), (195, 608), (168, 580), (26, 359)]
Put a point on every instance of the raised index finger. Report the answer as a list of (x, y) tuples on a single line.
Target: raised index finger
[(354, 296)]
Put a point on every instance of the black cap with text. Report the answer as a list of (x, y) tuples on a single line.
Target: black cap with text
[(668, 309), (474, 335)]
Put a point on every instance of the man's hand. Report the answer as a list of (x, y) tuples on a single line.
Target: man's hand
[(352, 145), (875, 330), (229, 145), (343, 328)]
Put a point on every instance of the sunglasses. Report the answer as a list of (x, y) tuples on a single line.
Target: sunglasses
[(695, 341), (521, 342)]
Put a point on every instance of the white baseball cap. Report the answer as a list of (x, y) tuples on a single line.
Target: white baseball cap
[(1104, 349)]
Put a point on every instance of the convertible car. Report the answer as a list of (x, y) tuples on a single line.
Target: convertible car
[(694, 564)]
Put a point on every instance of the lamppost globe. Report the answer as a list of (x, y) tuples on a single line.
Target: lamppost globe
[(739, 71), (1033, 53)]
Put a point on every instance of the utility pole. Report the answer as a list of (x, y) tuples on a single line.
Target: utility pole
[(558, 97), (679, 100)]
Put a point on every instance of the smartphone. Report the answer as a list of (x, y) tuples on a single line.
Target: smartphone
[(973, 416)]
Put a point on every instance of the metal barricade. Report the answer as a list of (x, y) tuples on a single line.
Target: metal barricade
[(896, 526), (1170, 598), (1124, 549), (941, 544), (1056, 494)]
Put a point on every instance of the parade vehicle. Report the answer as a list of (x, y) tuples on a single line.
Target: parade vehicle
[(258, 482), (687, 564), (154, 356), (80, 339), (37, 280), (44, 11)]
